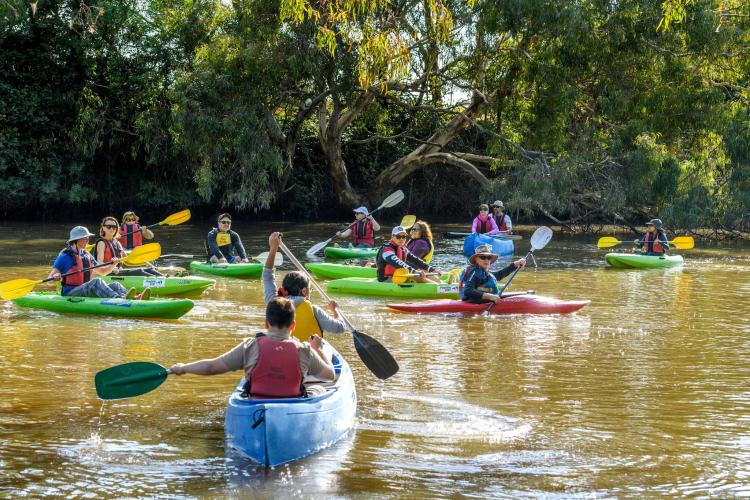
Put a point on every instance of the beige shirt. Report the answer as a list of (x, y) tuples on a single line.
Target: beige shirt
[(245, 356)]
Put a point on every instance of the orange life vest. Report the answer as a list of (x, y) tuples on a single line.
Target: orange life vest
[(653, 243), (277, 373), (363, 232), (79, 278), (500, 221), (112, 249), (386, 268)]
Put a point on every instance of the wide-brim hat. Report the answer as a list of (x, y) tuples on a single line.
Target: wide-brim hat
[(78, 232), (498, 204), (483, 250), (130, 213), (656, 223), (362, 210)]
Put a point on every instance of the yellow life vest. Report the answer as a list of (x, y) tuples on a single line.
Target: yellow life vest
[(428, 257), (223, 239), (305, 321)]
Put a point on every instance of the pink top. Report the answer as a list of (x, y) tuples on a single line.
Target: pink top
[(492, 224)]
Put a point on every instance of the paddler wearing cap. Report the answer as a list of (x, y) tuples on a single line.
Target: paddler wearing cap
[(132, 234), (394, 255), (483, 223), (654, 242), (362, 230), (478, 284), (74, 257), (502, 220)]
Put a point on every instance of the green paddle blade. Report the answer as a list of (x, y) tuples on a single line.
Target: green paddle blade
[(129, 379)]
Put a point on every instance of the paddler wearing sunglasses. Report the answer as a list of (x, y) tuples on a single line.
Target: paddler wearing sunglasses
[(107, 246), (394, 255), (478, 284), (222, 242)]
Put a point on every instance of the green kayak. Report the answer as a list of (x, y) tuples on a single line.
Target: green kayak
[(637, 261), (152, 308), (349, 252), (327, 270), (162, 285), (249, 270), (371, 286)]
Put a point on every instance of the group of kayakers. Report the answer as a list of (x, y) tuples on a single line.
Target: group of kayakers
[(276, 364)]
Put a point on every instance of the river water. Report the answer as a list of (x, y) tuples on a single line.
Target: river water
[(646, 391)]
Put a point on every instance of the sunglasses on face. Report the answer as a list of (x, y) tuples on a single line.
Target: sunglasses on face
[(110, 226), (225, 222), (484, 257), (400, 237), (128, 220), (414, 230)]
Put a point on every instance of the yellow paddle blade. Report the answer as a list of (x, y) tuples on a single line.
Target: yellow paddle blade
[(684, 242), (17, 288), (408, 221), (607, 241), (89, 247), (142, 254), (400, 275), (177, 218)]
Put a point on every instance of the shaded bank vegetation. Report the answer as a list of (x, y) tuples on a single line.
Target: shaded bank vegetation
[(575, 112)]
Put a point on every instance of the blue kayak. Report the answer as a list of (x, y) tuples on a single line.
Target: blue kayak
[(502, 247), (273, 432)]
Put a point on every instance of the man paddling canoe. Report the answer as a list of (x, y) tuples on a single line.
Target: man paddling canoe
[(504, 224), (273, 361), (222, 242), (478, 284)]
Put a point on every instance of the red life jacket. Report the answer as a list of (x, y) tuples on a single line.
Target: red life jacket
[(389, 268), (112, 249), (363, 232), (277, 373), (79, 278), (653, 242), (484, 225), (128, 236), (500, 221)]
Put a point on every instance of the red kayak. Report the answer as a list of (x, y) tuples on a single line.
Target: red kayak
[(525, 303)]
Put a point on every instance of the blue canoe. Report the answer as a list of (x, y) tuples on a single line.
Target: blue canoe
[(503, 248), (273, 432)]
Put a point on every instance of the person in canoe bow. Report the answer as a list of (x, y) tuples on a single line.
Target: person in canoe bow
[(108, 246), (478, 284), (654, 242), (74, 257), (222, 242), (502, 220), (295, 286), (273, 361), (483, 223), (420, 243), (394, 255), (131, 233), (362, 230)]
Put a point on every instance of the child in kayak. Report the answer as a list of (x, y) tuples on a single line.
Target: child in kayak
[(420, 243), (654, 242), (362, 230), (483, 223), (132, 234), (74, 257), (502, 220), (274, 362), (478, 284), (296, 287), (394, 255), (222, 242)]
